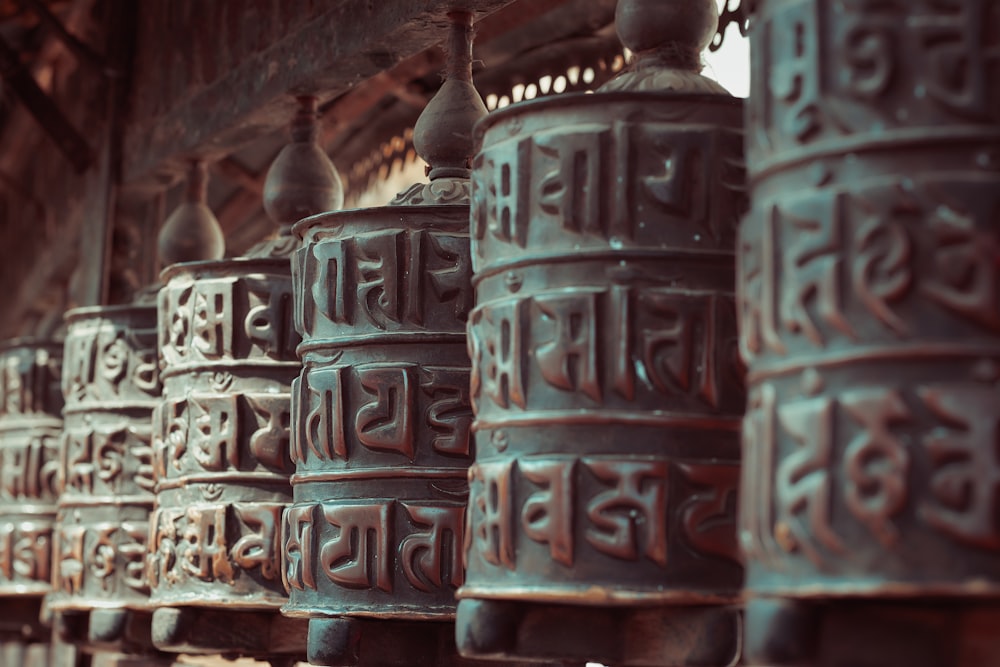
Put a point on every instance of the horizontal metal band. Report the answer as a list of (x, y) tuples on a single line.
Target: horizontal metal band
[(611, 417), (105, 501), (318, 344), (874, 353), (842, 145), (393, 472), (395, 612), (110, 406), (604, 594), (490, 269), (221, 477), (226, 364)]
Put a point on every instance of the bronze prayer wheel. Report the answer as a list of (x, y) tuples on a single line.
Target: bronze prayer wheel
[(605, 381), (871, 325), (30, 424), (221, 457), (110, 384)]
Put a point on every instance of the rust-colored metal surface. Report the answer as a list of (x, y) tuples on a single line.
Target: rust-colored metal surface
[(605, 381), (869, 320), (111, 384), (221, 457)]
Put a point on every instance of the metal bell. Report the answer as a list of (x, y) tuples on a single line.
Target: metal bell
[(110, 383), (871, 325), (606, 384), (30, 424)]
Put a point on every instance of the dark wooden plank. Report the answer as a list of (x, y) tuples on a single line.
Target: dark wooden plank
[(216, 109)]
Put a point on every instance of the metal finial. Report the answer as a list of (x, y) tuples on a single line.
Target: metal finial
[(192, 233), (302, 180), (667, 37), (443, 133)]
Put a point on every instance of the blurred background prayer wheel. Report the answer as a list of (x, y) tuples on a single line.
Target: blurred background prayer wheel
[(30, 425), (871, 325), (110, 385), (606, 382)]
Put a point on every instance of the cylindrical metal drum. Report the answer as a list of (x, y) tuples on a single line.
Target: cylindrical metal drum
[(30, 423), (871, 325), (111, 384), (221, 457), (605, 381), (382, 420)]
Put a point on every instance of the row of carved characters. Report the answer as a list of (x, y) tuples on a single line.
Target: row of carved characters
[(226, 318), (630, 185), (867, 480), (29, 468), (25, 552), (228, 544), (110, 459), (374, 545), (104, 559), (382, 413), (586, 513), (390, 280), (110, 365), (29, 382), (880, 265), (621, 347), (217, 432), (826, 69)]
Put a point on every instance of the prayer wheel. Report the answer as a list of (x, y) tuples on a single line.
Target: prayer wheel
[(221, 457), (372, 544), (30, 424), (110, 383), (606, 383), (871, 326)]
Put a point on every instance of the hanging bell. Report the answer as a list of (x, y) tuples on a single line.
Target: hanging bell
[(871, 326), (372, 545), (110, 384), (221, 458), (30, 424), (605, 378)]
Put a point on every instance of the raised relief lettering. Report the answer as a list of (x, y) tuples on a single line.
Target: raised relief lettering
[(547, 515), (496, 338), (490, 532), (570, 359), (298, 549), (322, 429), (132, 550), (708, 515), (449, 270), (502, 202), (359, 555), (760, 433), (202, 552), (449, 413), (794, 82), (211, 325), (101, 554), (269, 324), (572, 186), (431, 558), (71, 559), (881, 273), (379, 285), (259, 545), (805, 489), (269, 441), (330, 287), (876, 461), (32, 551), (965, 472), (212, 436), (386, 423), (630, 520)]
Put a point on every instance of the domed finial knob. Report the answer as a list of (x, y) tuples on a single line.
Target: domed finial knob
[(667, 37), (192, 233), (685, 26), (302, 180), (443, 133)]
